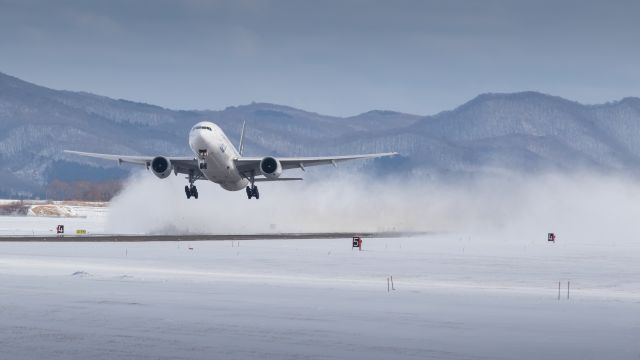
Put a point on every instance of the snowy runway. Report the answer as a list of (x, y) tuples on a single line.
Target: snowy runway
[(456, 297)]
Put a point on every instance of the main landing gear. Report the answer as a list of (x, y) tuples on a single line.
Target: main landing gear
[(191, 190), (252, 191)]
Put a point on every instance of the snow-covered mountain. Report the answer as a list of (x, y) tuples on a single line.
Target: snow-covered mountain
[(521, 132)]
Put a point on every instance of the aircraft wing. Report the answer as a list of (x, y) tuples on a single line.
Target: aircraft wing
[(181, 164), (248, 165)]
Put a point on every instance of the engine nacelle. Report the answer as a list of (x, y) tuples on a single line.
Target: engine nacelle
[(161, 166), (270, 167)]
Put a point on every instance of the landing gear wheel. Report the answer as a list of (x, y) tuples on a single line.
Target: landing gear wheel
[(253, 192), (191, 191)]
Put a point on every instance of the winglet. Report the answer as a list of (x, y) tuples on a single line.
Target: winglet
[(241, 147)]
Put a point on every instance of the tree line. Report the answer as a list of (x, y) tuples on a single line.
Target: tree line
[(83, 190)]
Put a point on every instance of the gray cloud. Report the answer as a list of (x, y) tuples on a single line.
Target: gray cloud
[(336, 57)]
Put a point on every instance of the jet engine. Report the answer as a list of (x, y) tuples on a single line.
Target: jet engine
[(161, 166), (270, 167)]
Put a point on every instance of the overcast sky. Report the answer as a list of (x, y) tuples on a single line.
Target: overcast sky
[(333, 57)]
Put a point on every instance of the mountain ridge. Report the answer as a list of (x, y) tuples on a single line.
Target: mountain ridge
[(519, 132)]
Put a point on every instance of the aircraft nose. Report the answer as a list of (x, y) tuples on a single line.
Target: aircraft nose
[(195, 140)]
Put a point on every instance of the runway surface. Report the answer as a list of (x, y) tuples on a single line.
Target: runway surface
[(206, 237), (434, 295), (452, 297)]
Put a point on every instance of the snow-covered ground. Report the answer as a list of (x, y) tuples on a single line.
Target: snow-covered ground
[(89, 218), (37, 217), (456, 297), (485, 288)]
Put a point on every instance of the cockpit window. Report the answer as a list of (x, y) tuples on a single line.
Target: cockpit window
[(202, 128)]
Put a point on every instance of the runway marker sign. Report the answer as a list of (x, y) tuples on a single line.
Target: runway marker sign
[(357, 243)]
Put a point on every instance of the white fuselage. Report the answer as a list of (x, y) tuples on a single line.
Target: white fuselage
[(215, 154)]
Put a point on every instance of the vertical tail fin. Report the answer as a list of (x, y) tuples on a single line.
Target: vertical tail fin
[(241, 147)]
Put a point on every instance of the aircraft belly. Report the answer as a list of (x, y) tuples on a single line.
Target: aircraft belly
[(235, 185), (220, 169)]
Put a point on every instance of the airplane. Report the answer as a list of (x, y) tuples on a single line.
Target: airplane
[(217, 160)]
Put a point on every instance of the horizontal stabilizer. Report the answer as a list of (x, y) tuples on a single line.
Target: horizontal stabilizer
[(248, 165), (277, 179)]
